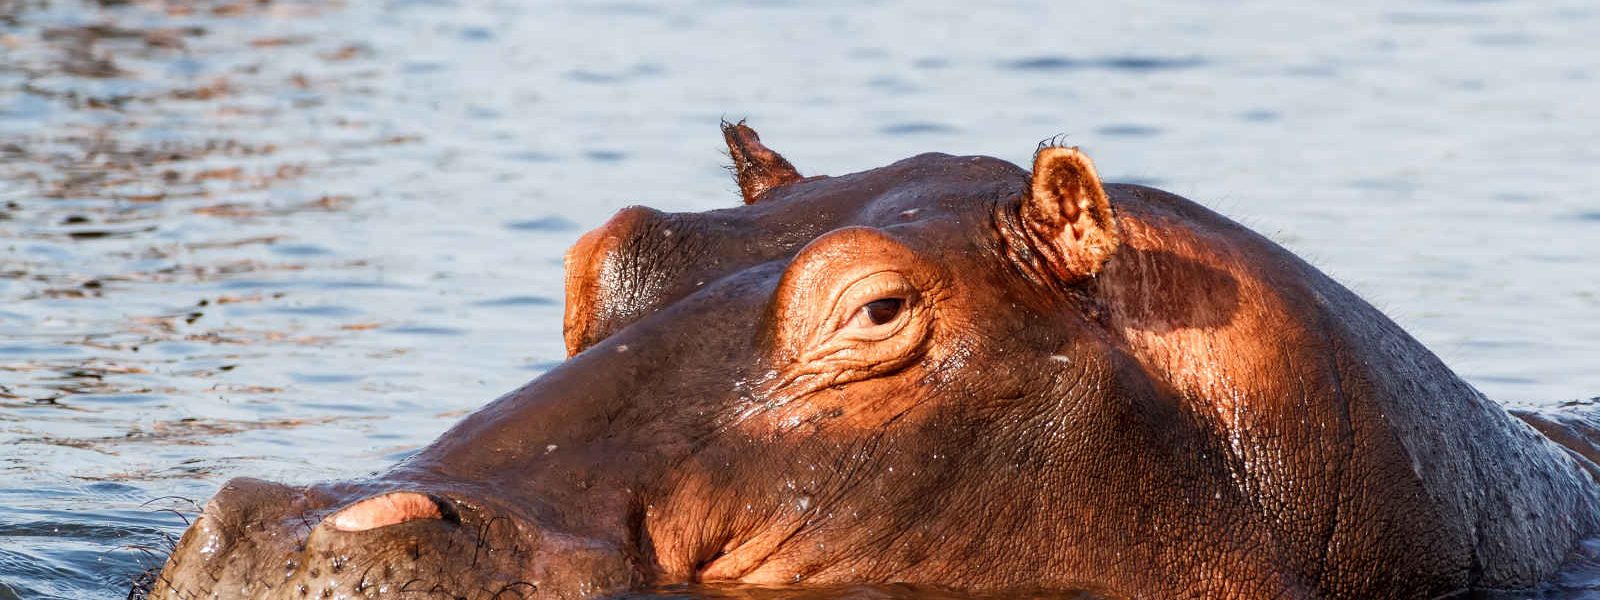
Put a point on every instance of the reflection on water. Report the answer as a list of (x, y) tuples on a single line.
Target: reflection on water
[(296, 240)]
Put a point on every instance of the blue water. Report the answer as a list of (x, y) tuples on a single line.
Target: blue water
[(298, 240)]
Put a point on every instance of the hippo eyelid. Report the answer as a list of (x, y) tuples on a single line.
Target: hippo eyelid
[(872, 287), (860, 325)]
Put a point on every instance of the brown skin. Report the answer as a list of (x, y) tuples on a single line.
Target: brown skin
[(950, 372)]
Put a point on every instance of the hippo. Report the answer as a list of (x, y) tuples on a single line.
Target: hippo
[(948, 372)]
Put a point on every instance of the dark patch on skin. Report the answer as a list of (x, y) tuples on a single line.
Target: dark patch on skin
[(1182, 293)]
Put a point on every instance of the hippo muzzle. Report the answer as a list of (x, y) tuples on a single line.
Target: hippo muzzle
[(257, 539)]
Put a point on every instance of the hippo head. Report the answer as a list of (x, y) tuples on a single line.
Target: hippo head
[(946, 371)]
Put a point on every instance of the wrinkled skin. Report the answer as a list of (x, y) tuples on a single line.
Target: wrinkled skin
[(948, 371)]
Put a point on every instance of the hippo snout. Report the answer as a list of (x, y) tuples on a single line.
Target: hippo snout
[(260, 539)]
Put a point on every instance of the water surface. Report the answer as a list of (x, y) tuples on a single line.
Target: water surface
[(298, 240)]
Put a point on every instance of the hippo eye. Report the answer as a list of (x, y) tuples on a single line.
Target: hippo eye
[(883, 310), (880, 306), (877, 313)]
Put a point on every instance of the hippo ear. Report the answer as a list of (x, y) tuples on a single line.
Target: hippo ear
[(1068, 214), (756, 167)]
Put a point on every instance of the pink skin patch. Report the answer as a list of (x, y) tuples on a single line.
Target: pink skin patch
[(381, 511)]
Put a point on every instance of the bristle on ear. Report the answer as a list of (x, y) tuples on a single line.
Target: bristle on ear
[(756, 168), (1055, 141)]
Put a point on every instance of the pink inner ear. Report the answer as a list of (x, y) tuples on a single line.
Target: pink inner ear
[(381, 511)]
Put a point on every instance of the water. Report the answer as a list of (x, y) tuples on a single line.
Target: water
[(298, 240)]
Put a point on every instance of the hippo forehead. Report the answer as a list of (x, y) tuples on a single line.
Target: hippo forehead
[(642, 259)]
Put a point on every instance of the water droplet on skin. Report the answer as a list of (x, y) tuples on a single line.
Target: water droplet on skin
[(622, 348), (211, 545), (550, 448)]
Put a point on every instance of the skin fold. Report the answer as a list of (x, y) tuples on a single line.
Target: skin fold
[(949, 372)]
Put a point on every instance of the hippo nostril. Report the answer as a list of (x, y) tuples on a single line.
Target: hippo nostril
[(388, 509)]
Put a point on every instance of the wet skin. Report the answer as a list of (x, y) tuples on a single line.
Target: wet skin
[(953, 372)]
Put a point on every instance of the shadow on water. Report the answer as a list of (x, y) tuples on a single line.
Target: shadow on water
[(1130, 64)]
